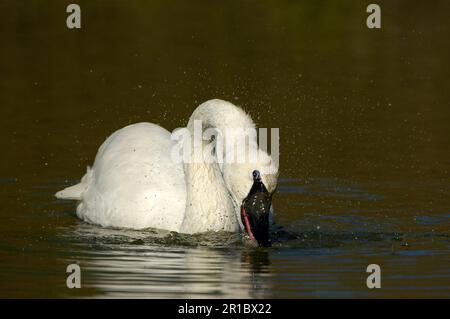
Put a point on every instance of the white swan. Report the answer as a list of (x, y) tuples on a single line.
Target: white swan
[(135, 183)]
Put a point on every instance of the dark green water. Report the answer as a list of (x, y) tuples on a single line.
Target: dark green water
[(364, 140)]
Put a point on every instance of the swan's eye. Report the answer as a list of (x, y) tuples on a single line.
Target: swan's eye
[(256, 174)]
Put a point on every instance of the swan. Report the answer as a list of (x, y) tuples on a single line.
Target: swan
[(135, 182)]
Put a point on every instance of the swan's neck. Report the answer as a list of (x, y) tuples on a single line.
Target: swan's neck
[(209, 204)]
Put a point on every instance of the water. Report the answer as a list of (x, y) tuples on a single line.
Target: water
[(364, 137)]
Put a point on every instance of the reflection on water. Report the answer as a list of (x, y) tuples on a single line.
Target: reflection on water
[(364, 143), (161, 264), (176, 273)]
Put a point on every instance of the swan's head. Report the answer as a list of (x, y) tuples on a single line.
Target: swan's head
[(252, 186)]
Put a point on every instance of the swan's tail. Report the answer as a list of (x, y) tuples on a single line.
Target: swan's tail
[(75, 192)]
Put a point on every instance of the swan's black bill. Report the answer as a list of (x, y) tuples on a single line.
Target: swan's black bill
[(255, 211)]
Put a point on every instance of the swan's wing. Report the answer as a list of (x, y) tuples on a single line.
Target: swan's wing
[(134, 182)]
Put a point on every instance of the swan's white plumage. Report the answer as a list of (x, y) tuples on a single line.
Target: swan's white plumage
[(134, 182)]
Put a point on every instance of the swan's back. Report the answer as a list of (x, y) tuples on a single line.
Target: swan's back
[(134, 182)]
